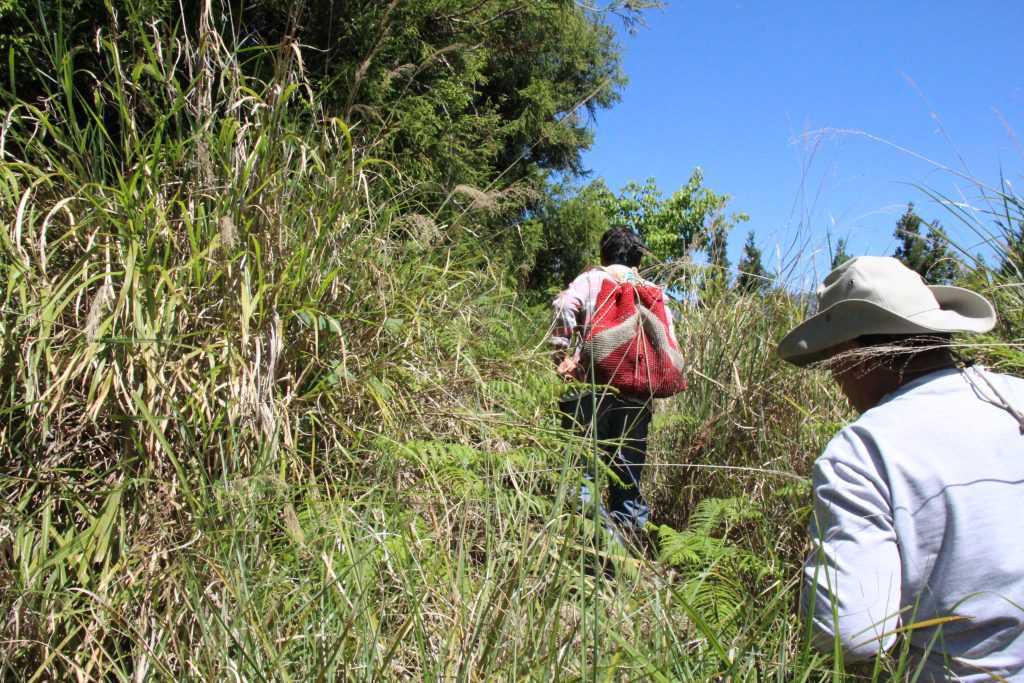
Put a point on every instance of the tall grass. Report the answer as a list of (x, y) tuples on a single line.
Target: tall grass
[(206, 326), (256, 426), (264, 418), (995, 221)]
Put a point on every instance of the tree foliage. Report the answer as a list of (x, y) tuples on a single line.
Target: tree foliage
[(925, 251), (752, 278), (482, 93), (478, 92), (840, 256), (716, 277), (567, 228), (691, 218), (563, 235), (457, 106)]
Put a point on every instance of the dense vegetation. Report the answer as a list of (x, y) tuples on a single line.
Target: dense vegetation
[(276, 400)]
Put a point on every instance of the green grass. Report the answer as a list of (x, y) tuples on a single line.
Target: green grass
[(265, 419)]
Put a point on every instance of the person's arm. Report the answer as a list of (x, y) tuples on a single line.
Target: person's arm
[(566, 307), (669, 319), (852, 577), (571, 308)]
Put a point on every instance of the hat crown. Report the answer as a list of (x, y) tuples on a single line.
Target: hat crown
[(878, 295), (882, 280)]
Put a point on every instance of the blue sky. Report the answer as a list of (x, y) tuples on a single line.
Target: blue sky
[(737, 87)]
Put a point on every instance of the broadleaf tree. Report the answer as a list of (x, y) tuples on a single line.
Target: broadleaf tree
[(689, 220)]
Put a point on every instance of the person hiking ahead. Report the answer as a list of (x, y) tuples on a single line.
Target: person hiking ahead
[(626, 350)]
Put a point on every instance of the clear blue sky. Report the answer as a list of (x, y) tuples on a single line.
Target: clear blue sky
[(734, 87)]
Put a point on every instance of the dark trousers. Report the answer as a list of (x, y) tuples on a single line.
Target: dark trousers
[(620, 425)]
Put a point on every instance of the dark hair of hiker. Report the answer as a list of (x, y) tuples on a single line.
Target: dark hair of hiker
[(898, 351), (621, 246), (907, 342)]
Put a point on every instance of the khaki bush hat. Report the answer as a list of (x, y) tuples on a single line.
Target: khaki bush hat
[(880, 295)]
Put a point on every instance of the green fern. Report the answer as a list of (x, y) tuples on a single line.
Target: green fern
[(712, 513), (715, 570), (717, 597), (699, 545)]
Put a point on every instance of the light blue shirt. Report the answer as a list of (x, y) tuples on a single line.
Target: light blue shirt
[(919, 514)]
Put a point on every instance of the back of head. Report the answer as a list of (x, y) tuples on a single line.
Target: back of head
[(621, 246), (900, 354)]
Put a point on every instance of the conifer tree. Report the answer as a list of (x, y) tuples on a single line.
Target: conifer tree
[(753, 278), (840, 256), (925, 252), (717, 277)]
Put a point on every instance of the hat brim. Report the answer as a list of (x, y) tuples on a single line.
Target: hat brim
[(815, 339)]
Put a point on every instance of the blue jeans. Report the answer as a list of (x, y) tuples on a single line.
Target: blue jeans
[(621, 426)]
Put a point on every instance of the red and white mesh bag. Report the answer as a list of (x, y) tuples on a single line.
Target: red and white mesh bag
[(628, 345)]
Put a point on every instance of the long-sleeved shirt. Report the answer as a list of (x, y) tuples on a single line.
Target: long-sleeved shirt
[(916, 518), (575, 305)]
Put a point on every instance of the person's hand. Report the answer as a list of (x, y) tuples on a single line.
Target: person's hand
[(567, 368)]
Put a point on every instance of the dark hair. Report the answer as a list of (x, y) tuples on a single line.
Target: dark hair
[(898, 351), (620, 245), (908, 342)]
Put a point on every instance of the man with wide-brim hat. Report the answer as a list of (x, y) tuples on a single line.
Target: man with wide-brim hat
[(918, 503)]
